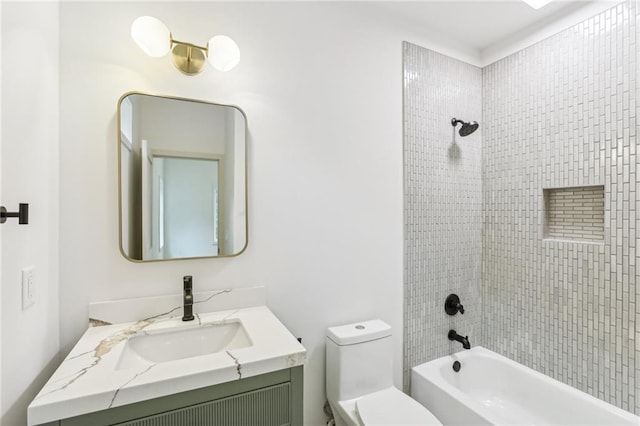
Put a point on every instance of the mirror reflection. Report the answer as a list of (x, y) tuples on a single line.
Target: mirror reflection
[(182, 178)]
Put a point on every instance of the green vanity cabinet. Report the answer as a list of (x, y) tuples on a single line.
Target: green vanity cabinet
[(271, 399)]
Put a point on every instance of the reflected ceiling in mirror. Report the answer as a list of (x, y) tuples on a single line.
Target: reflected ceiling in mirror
[(182, 174)]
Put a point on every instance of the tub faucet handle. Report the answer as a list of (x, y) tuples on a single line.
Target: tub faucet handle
[(452, 305)]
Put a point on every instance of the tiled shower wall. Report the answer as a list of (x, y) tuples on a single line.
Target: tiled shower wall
[(443, 203), (564, 113)]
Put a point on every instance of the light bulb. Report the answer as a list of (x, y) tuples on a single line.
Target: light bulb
[(223, 53), (537, 4), (151, 35)]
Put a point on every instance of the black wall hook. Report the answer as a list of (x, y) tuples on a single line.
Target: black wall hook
[(22, 214)]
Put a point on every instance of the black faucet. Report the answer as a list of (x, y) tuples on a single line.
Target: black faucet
[(452, 305), (458, 338), (187, 298)]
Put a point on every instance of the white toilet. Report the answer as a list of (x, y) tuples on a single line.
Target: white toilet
[(360, 379)]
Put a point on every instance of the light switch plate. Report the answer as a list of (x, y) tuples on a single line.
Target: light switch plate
[(28, 287)]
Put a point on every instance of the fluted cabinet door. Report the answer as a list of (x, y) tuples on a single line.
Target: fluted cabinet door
[(263, 407), (270, 399)]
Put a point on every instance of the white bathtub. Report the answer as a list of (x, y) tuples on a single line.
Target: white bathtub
[(490, 389)]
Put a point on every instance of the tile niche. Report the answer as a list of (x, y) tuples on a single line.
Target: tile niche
[(574, 214)]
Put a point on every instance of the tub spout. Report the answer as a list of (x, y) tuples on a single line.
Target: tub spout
[(458, 338)]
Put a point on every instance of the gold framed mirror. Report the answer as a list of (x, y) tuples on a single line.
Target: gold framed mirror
[(182, 178)]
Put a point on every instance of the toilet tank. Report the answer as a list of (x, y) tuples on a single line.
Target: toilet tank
[(359, 359)]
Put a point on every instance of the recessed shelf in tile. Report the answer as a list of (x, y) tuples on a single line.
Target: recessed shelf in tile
[(574, 214)]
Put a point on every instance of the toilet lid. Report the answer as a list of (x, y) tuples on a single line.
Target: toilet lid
[(392, 407)]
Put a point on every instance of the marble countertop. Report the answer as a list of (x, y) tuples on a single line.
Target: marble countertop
[(90, 378)]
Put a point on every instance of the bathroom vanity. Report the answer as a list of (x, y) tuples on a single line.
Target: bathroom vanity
[(270, 399), (238, 366)]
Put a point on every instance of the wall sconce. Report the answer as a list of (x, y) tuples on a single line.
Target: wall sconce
[(155, 39)]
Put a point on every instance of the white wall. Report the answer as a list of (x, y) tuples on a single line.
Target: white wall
[(321, 84), (30, 338), (189, 127), (1, 118)]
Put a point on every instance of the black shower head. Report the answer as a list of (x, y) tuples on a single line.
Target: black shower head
[(467, 128)]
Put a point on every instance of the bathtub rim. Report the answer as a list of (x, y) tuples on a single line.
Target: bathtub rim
[(435, 365)]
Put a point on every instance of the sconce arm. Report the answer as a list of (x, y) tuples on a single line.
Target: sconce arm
[(184, 43)]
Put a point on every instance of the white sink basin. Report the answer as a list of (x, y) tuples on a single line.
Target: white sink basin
[(164, 346)]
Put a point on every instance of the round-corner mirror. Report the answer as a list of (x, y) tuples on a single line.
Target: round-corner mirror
[(182, 178)]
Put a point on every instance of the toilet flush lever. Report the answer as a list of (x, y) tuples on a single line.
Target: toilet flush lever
[(22, 214), (452, 305)]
